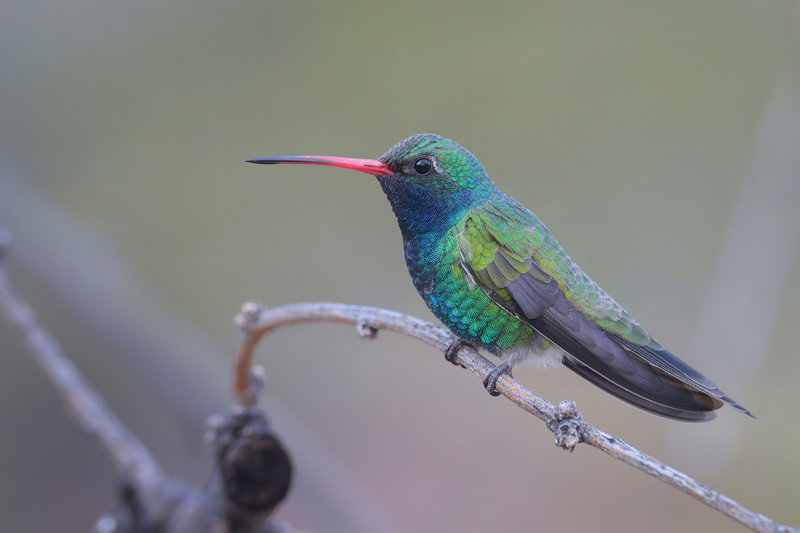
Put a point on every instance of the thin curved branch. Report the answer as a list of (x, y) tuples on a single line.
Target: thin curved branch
[(563, 419), (86, 406)]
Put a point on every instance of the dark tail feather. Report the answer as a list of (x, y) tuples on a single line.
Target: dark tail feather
[(667, 363), (692, 412), (605, 363), (646, 376), (730, 401)]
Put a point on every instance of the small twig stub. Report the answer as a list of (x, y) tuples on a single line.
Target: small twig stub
[(568, 426)]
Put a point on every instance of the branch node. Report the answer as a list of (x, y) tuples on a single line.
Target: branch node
[(214, 424), (258, 380), (367, 329), (568, 426), (255, 386), (250, 315)]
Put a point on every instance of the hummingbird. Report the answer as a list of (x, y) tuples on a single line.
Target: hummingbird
[(493, 273)]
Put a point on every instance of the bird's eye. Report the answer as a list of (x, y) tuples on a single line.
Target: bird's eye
[(422, 166)]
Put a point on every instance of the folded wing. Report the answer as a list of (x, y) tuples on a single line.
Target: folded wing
[(519, 264)]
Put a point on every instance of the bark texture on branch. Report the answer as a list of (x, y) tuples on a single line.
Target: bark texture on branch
[(563, 419)]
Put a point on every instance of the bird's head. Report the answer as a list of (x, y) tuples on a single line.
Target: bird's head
[(424, 176), (436, 164), (425, 160)]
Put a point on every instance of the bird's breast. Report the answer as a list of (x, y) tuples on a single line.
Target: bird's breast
[(434, 265), (421, 253)]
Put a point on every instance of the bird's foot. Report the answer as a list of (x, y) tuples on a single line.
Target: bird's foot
[(491, 380), (452, 350)]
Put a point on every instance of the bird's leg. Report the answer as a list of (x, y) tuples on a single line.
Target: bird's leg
[(452, 350), (491, 379)]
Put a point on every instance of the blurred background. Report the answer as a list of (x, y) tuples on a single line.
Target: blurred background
[(657, 141)]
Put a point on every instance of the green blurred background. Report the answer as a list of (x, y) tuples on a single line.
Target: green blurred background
[(633, 129)]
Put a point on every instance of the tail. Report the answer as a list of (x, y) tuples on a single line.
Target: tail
[(684, 394), (642, 374), (700, 409)]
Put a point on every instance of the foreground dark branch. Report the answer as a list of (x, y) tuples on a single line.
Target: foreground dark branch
[(86, 406), (564, 420), (252, 470)]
